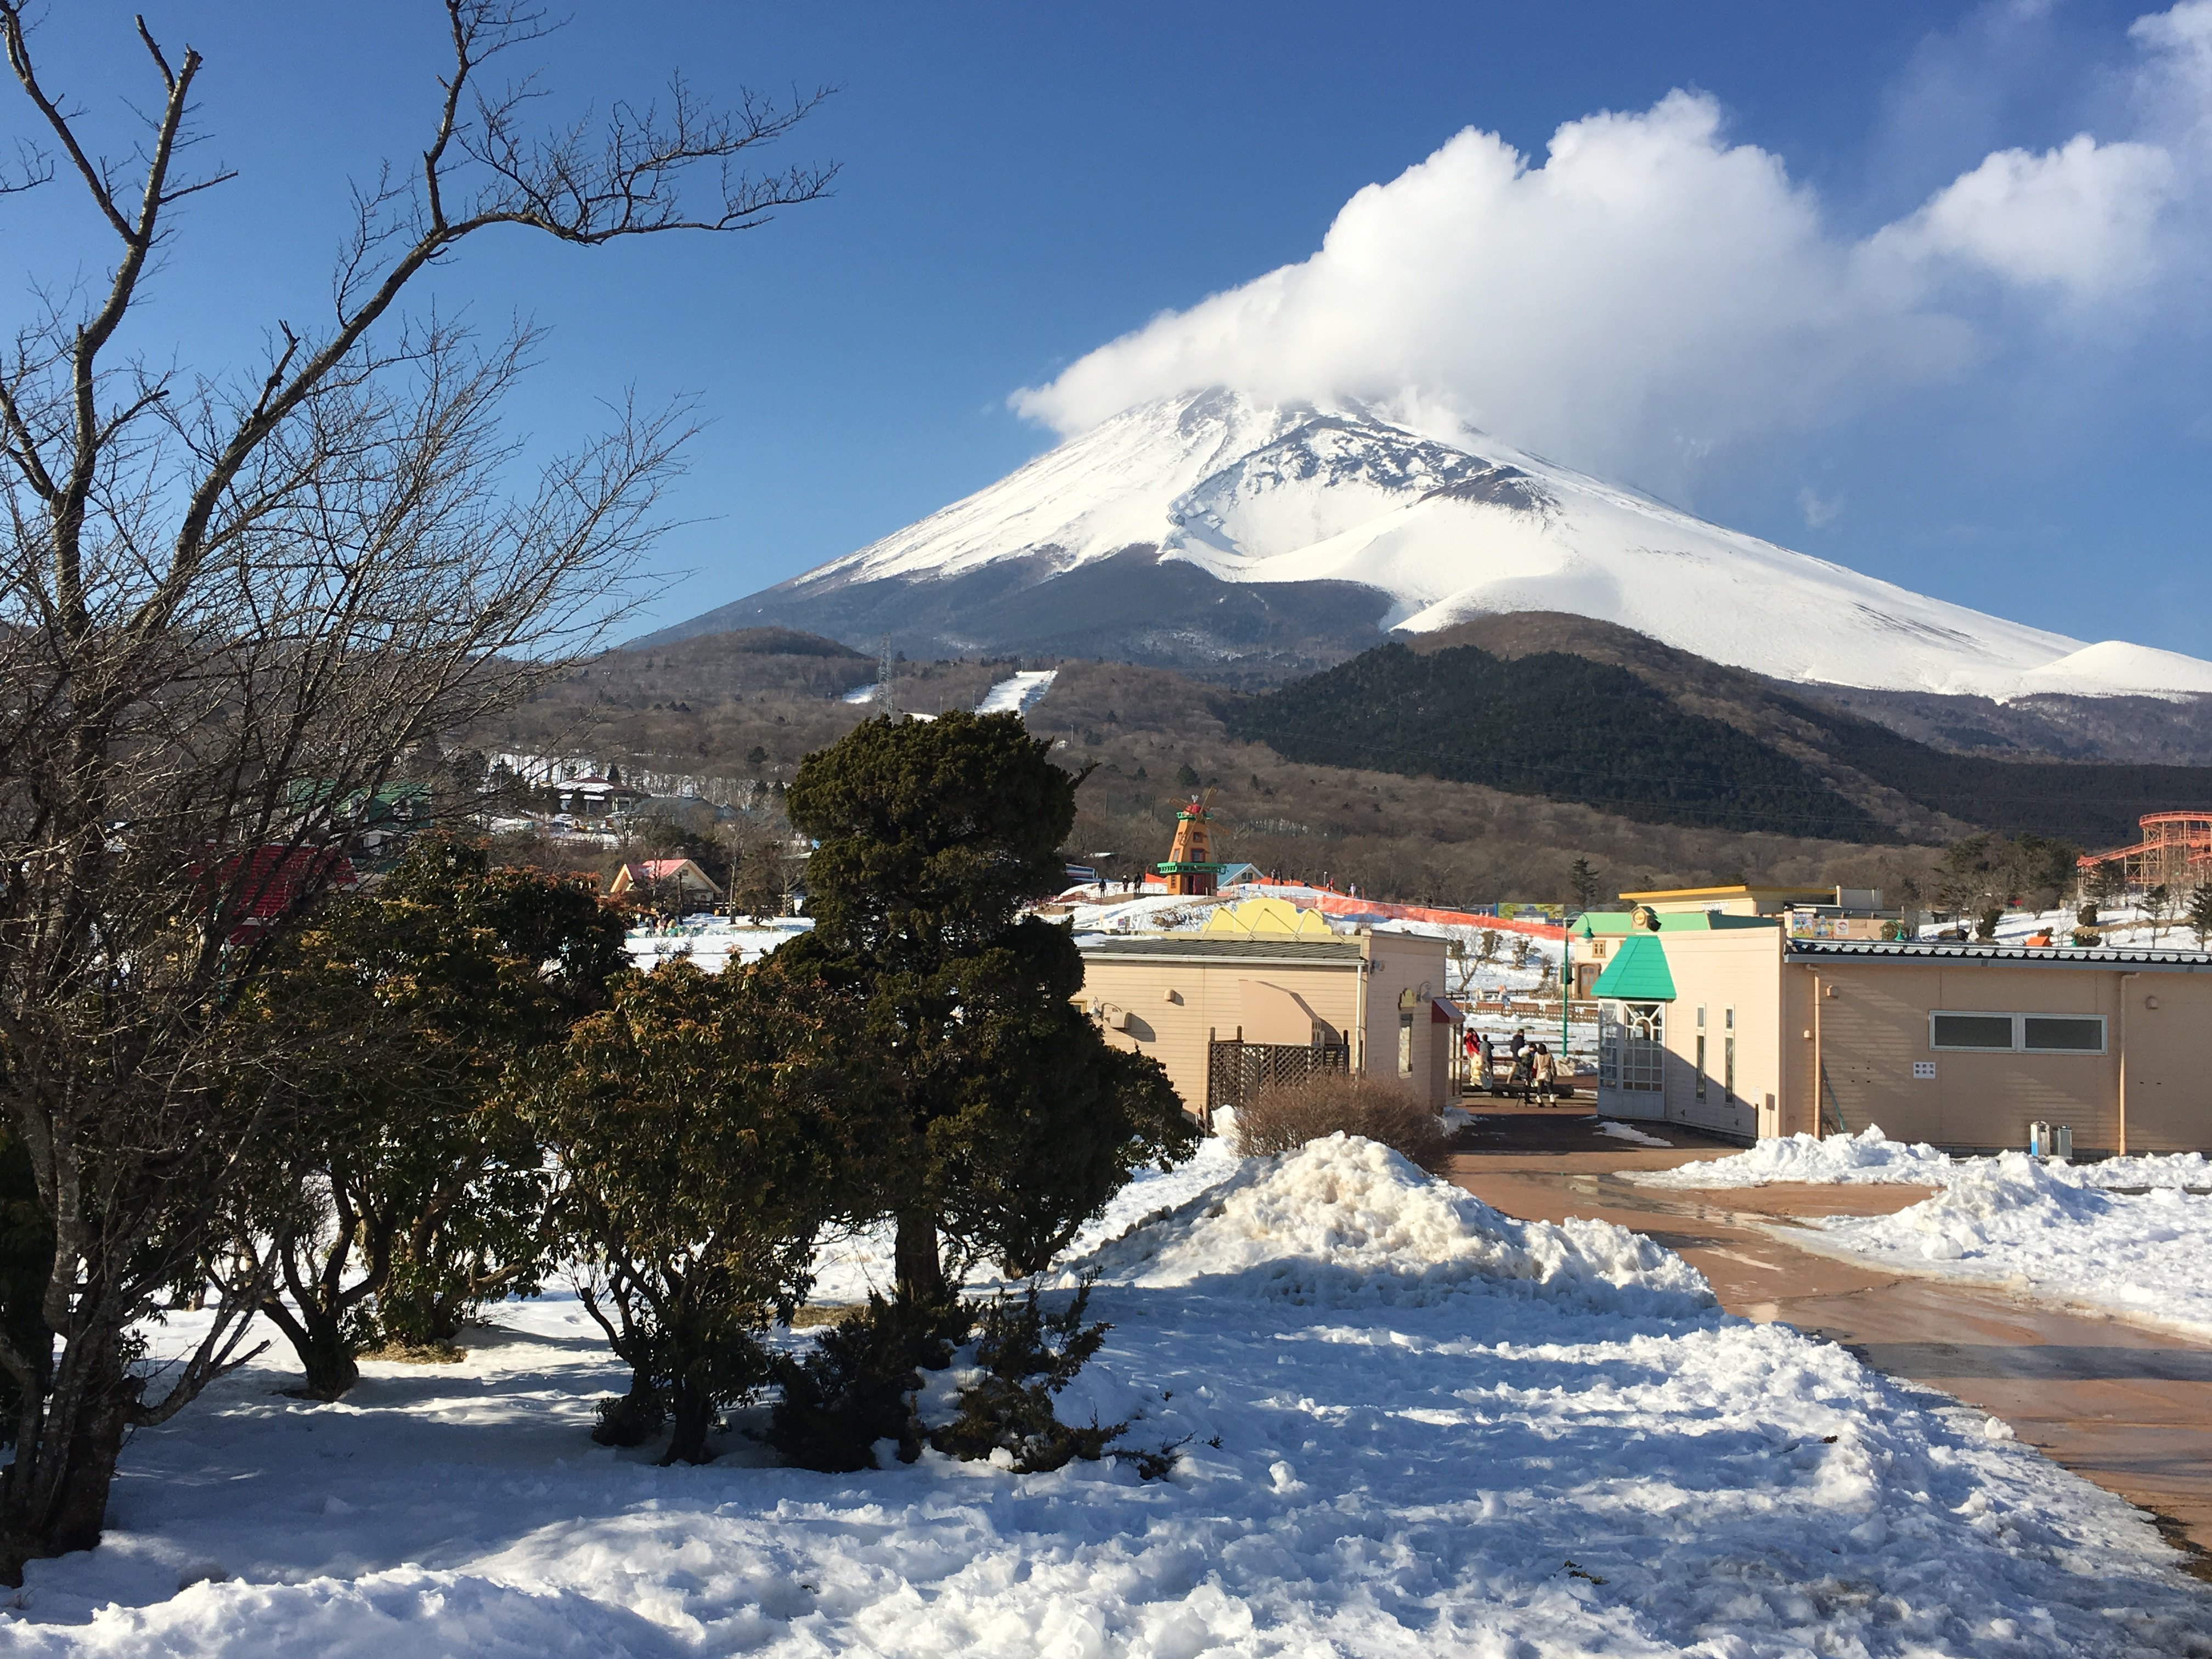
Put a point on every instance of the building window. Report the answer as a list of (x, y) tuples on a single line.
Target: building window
[(2018, 1034), (2064, 1034), (1643, 1046), (1405, 1045), (1701, 1058), (1727, 1066)]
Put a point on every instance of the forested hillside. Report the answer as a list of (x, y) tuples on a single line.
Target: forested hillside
[(1156, 737), (750, 703), (2092, 803), (1553, 725), (1471, 766), (1575, 710)]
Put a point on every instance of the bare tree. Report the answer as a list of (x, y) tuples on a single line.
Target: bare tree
[(229, 609)]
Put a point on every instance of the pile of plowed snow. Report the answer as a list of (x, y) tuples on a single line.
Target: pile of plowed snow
[(2154, 1170), (2038, 1229), (1345, 1221), (1870, 1159)]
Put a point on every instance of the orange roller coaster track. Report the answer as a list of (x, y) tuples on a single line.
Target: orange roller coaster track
[(2175, 851)]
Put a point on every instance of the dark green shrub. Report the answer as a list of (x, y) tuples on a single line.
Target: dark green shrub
[(632, 1419), (1027, 1355), (854, 1389)]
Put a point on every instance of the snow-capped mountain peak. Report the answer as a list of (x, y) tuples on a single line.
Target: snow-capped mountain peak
[(1270, 499)]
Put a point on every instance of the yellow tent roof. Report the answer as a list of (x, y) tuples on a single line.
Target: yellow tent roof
[(1265, 918)]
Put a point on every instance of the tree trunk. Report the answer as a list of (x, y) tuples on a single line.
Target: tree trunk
[(443, 1323), (919, 1269), (54, 1498), (327, 1357), (693, 1412), (326, 1351), (634, 1418)]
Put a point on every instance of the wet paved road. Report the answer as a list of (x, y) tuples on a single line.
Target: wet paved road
[(2125, 1405)]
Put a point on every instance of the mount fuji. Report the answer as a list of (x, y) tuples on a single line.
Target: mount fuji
[(1225, 535)]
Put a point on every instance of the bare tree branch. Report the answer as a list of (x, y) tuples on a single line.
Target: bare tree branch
[(231, 610)]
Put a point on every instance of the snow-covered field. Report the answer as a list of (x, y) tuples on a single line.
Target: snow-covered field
[(1414, 1427), (711, 942), (847, 1269)]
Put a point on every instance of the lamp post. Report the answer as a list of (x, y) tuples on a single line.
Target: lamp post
[(1566, 983)]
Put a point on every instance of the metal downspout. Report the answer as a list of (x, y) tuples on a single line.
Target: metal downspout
[(2125, 978), (1820, 1072), (1359, 1008)]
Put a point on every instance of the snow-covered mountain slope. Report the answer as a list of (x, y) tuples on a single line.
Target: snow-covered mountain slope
[(1274, 498)]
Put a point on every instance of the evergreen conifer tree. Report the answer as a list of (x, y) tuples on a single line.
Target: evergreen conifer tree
[(1583, 882), (1009, 1120), (2200, 915)]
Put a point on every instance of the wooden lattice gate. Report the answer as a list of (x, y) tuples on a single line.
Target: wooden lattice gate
[(1237, 1070)]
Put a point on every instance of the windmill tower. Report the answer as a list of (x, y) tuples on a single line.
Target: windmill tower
[(1190, 867)]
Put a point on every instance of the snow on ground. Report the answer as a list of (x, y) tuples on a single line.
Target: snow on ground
[(2124, 921), (1415, 1427), (711, 942), (2185, 1170), (1871, 1158), (1017, 694), (1624, 1131), (2040, 1230), (1143, 913), (2126, 1235), (847, 1268)]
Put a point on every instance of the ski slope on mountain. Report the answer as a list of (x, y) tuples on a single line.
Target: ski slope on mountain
[(1254, 494)]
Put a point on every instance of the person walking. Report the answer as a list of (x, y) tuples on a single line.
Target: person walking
[(1543, 1075)]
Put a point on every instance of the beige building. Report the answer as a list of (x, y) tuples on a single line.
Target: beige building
[(1236, 1005), (674, 882), (1737, 899), (1747, 1031)]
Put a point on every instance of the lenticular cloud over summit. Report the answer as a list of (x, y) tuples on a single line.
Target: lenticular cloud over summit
[(1650, 291)]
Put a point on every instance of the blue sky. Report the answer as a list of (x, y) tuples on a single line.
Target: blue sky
[(1023, 183)]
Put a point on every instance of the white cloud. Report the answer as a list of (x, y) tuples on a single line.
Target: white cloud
[(2080, 217), (1651, 293), (1820, 510)]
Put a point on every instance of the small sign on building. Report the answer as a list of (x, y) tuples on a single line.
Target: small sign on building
[(1923, 1068)]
